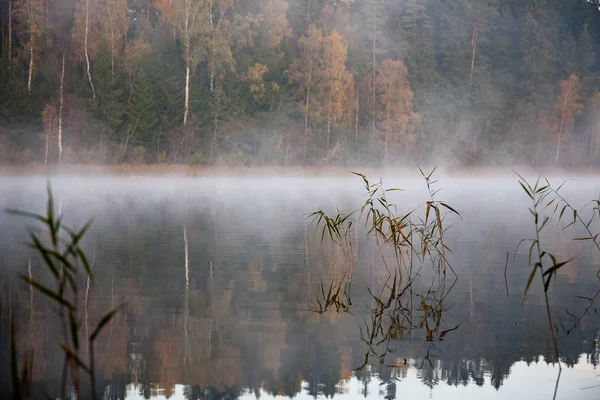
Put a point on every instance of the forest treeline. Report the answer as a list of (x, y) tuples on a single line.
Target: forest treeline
[(347, 82)]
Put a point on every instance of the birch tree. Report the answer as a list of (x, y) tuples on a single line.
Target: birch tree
[(188, 18), (30, 14), (50, 122), (86, 44), (60, 106), (335, 82), (218, 50), (301, 73)]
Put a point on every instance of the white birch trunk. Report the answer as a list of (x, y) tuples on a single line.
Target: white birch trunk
[(30, 75), (186, 257), (310, 68), (47, 143), (60, 107), (562, 119), (187, 95), (85, 47)]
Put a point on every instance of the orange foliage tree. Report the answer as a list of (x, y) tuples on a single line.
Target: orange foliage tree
[(395, 105)]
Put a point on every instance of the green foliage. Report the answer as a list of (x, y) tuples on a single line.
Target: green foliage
[(142, 110), (13, 90), (108, 105)]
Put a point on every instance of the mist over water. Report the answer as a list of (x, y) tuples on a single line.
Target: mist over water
[(218, 274)]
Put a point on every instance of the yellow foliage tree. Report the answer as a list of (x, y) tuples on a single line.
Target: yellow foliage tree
[(302, 74), (336, 83), (395, 105)]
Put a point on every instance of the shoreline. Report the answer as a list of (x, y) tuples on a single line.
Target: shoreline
[(183, 171)]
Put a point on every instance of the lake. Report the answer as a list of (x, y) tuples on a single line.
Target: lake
[(224, 280)]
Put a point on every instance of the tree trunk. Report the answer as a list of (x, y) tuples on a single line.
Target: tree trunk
[(60, 107), (356, 118), (186, 257), (112, 50), (329, 122), (214, 138), (85, 47), (474, 50), (307, 104), (47, 16), (387, 129), (562, 119), (9, 30), (186, 106), (47, 143), (30, 75)]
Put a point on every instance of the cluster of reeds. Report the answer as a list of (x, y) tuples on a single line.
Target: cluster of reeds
[(547, 204), (61, 252), (406, 243)]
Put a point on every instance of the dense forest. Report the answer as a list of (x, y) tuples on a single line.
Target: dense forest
[(342, 82)]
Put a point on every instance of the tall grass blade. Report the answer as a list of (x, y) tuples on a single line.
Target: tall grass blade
[(105, 320), (48, 292)]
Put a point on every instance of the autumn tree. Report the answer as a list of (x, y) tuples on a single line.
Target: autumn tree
[(568, 106), (267, 30), (395, 106), (255, 78), (301, 73), (218, 47), (273, 22), (30, 14), (336, 84)]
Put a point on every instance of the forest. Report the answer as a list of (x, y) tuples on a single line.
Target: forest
[(300, 82)]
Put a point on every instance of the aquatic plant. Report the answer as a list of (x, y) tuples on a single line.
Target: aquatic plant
[(413, 241), (541, 261), (66, 261), (548, 204)]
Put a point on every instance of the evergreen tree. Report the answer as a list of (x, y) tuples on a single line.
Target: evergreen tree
[(416, 43), (108, 105), (142, 111)]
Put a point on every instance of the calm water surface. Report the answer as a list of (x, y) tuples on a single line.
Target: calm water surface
[(219, 278)]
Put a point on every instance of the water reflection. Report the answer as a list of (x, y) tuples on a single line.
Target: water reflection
[(218, 279)]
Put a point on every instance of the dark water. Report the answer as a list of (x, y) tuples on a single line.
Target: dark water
[(219, 277)]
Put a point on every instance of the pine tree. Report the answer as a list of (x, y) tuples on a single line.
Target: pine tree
[(586, 60), (142, 111), (416, 41), (540, 56), (108, 105)]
